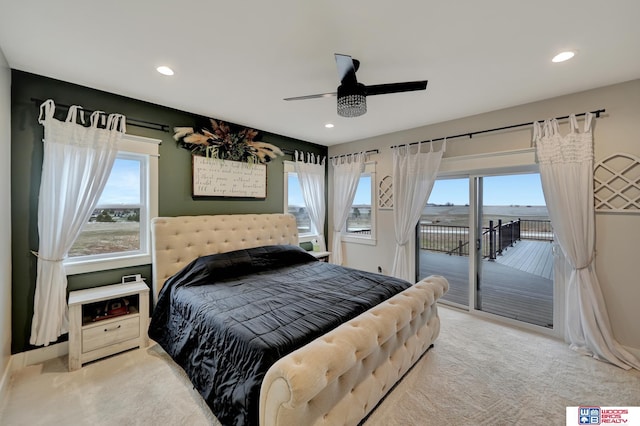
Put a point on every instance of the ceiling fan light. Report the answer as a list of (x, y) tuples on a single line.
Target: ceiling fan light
[(352, 105), (352, 101)]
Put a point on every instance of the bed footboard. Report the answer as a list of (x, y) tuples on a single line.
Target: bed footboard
[(340, 377)]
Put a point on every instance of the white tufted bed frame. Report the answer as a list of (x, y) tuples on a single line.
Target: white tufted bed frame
[(339, 377)]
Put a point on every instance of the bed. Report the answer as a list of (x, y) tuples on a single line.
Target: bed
[(336, 376)]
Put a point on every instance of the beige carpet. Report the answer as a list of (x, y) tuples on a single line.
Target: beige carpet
[(484, 373), (478, 373)]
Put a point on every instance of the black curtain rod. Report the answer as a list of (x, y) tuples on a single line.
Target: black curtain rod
[(130, 121), (371, 151), (497, 129)]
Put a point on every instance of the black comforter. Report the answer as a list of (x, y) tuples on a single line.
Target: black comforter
[(227, 318)]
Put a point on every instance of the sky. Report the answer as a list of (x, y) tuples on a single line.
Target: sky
[(295, 193), (123, 186), (520, 190)]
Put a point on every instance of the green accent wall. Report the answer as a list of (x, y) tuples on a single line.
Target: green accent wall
[(174, 196)]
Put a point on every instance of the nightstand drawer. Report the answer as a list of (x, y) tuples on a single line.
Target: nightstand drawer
[(110, 332)]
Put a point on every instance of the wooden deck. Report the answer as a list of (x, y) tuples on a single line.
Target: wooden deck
[(530, 256), (518, 285)]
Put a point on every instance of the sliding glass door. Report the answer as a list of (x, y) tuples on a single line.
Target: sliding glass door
[(443, 238), (515, 257), (490, 236)]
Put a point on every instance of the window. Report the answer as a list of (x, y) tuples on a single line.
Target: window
[(296, 206), (360, 226), (359, 219), (114, 226), (117, 233), (294, 203)]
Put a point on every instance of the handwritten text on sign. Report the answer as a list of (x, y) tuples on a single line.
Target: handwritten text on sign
[(224, 178)]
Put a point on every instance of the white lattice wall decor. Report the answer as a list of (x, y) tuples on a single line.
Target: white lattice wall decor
[(616, 184), (385, 193)]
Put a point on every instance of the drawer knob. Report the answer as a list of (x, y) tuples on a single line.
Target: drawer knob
[(112, 329)]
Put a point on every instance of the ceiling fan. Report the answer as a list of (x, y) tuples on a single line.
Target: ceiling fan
[(352, 96)]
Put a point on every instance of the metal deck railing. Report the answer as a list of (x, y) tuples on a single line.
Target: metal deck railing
[(497, 237)]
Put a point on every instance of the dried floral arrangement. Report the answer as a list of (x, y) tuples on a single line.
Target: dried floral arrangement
[(225, 142)]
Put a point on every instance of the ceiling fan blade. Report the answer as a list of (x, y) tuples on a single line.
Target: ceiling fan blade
[(347, 67), (320, 95), (382, 89)]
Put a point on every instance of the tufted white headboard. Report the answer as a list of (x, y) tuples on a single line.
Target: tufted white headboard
[(176, 241)]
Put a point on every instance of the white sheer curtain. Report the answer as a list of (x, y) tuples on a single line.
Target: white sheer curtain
[(311, 177), (346, 175), (566, 172), (76, 165), (413, 178)]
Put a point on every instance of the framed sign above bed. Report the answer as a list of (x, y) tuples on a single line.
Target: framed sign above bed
[(213, 177)]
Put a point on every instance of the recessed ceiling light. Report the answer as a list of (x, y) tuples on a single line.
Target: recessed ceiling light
[(563, 56), (328, 125), (164, 70)]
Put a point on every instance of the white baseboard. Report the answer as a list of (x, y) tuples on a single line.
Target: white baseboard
[(37, 356)]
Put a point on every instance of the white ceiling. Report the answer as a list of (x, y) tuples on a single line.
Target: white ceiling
[(237, 60)]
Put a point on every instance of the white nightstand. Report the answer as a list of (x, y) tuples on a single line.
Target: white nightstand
[(91, 338), (322, 256)]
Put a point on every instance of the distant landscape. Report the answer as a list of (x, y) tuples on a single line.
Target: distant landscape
[(109, 231), (456, 215), (100, 238)]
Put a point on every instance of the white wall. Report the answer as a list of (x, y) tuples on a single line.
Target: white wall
[(5, 219), (618, 254)]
